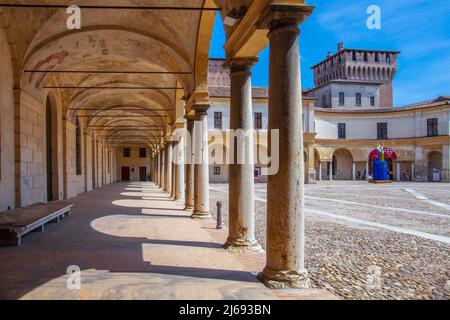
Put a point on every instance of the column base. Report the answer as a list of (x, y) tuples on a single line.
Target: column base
[(201, 215), (188, 207), (239, 245), (284, 279)]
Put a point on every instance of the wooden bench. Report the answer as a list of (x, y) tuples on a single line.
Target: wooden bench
[(16, 223)]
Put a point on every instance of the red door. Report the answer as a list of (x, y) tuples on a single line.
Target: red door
[(125, 173)]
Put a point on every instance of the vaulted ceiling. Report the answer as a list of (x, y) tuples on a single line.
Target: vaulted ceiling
[(126, 67)]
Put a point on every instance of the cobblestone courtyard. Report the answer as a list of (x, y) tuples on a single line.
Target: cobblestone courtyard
[(356, 232)]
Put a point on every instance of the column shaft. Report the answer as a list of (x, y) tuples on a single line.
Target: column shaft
[(180, 187), (168, 168), (189, 201), (285, 266), (367, 171), (330, 170), (201, 166), (241, 170)]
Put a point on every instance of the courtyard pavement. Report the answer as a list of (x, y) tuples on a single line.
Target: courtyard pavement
[(131, 241), (368, 241)]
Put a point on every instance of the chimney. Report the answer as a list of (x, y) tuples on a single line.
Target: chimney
[(340, 46)]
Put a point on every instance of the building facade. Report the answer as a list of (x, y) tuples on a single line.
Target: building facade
[(339, 135)]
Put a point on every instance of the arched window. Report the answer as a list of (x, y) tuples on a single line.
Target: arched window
[(78, 148)]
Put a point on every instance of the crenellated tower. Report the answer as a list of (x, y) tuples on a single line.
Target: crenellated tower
[(355, 78)]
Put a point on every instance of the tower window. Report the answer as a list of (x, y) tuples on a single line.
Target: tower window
[(354, 56), (142, 153), (218, 120), (372, 101), (358, 99), (377, 57), (366, 57), (341, 98), (126, 152), (388, 58), (432, 127)]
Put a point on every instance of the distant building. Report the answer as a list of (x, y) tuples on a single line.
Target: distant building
[(345, 117), (355, 79)]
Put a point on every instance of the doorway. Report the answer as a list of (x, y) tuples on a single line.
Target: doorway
[(434, 166), (142, 174), (125, 173)]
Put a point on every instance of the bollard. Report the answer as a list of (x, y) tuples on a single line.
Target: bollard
[(219, 215)]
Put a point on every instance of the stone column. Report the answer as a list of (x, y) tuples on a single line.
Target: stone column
[(330, 170), (399, 176), (174, 178), (413, 173), (421, 166), (162, 169), (201, 165), (367, 171), (354, 171), (241, 170), (168, 168), (311, 165), (285, 256), (445, 172), (189, 196), (320, 170), (180, 186)]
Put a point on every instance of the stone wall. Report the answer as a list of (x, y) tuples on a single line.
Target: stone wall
[(30, 150), (7, 165)]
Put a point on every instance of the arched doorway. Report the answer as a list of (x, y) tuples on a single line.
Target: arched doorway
[(435, 166), (342, 165)]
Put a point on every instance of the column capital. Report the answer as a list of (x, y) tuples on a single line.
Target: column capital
[(283, 16), (200, 109), (189, 117), (238, 65)]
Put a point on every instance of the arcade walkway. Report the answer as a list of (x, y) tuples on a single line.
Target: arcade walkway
[(131, 241)]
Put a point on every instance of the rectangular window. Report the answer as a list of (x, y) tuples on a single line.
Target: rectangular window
[(382, 131), (372, 101), (341, 98), (342, 131), (258, 120), (358, 99), (324, 101), (142, 153), (377, 57), (432, 127), (217, 171), (126, 152), (217, 120)]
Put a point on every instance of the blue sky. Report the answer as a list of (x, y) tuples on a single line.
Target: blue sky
[(418, 28)]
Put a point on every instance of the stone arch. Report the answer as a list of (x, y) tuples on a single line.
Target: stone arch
[(342, 164)]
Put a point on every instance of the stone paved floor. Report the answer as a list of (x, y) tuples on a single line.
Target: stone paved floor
[(401, 230), (132, 242)]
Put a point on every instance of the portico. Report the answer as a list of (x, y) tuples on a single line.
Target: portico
[(125, 99)]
